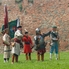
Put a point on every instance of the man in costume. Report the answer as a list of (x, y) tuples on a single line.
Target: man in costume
[(27, 45), (40, 44), (6, 42), (54, 42), (16, 44)]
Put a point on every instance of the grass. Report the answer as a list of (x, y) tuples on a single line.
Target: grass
[(63, 63)]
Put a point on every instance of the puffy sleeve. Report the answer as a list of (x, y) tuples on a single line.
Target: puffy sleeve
[(6, 39), (36, 40), (18, 33)]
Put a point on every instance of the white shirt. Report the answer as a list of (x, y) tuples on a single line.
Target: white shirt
[(6, 38), (18, 33)]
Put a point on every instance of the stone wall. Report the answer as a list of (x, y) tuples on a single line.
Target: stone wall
[(42, 14)]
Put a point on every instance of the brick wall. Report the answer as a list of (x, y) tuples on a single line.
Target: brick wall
[(43, 14)]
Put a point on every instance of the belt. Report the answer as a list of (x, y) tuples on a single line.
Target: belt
[(27, 42)]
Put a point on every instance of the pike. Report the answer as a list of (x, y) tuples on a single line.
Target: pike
[(6, 17), (58, 46)]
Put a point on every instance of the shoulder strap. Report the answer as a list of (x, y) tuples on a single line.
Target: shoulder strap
[(54, 34)]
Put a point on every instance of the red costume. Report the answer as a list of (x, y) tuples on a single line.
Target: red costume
[(27, 44)]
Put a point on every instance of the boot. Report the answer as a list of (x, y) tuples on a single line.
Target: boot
[(29, 56), (26, 56), (38, 57), (42, 57), (51, 56), (56, 56), (16, 58), (13, 58)]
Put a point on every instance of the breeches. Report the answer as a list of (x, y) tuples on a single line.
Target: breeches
[(54, 47)]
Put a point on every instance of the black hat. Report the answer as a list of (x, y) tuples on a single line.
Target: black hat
[(19, 27), (26, 32)]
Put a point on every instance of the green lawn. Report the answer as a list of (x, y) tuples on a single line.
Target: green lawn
[(63, 63)]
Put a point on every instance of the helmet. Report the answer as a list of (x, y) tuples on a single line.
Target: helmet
[(37, 31)]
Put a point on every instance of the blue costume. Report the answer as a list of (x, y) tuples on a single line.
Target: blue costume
[(54, 43)]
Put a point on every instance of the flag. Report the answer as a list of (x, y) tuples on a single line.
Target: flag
[(18, 22), (6, 17), (12, 27)]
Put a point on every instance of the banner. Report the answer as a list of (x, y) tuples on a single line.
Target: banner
[(18, 22), (12, 27), (5, 17)]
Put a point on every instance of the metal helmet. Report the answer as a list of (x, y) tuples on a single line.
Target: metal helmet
[(37, 31)]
